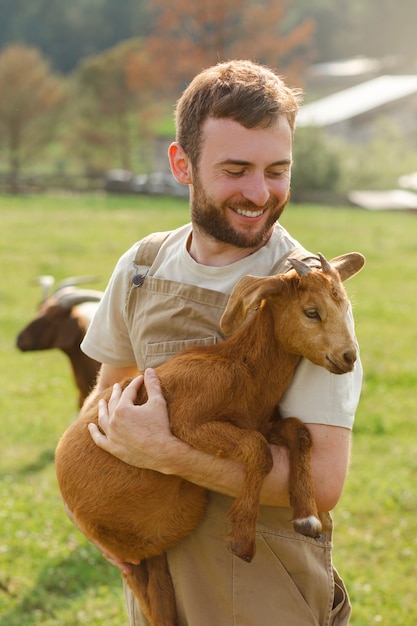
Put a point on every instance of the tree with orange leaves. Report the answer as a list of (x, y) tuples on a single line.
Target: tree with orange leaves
[(31, 99), (189, 36), (119, 90)]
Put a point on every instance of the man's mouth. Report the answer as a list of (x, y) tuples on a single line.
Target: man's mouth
[(247, 213)]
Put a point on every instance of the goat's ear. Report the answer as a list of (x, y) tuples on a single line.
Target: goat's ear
[(248, 292), (348, 264)]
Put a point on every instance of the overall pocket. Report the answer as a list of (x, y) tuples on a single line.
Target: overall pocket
[(159, 352)]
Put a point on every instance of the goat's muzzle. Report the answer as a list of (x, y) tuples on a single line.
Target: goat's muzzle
[(343, 364), (25, 343), (20, 343)]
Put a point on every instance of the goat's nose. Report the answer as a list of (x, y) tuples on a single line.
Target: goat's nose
[(350, 356)]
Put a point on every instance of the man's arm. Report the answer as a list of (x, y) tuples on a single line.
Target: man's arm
[(140, 436), (107, 377)]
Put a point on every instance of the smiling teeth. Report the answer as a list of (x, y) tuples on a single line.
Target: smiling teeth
[(249, 213)]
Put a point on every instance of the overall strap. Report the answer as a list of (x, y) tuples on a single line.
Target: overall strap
[(149, 248), (146, 255)]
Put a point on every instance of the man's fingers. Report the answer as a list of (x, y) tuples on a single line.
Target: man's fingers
[(115, 395), (123, 567), (103, 415), (152, 384), (69, 512), (131, 391), (97, 436)]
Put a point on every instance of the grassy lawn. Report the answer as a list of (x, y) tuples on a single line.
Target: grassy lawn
[(49, 574)]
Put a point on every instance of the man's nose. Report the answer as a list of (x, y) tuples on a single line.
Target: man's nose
[(257, 190)]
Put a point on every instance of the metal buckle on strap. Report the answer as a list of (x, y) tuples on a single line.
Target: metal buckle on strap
[(137, 280)]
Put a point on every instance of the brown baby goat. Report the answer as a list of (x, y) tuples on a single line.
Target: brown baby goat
[(221, 399)]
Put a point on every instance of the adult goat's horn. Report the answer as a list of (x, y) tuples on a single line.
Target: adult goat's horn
[(76, 280), (69, 297), (45, 281)]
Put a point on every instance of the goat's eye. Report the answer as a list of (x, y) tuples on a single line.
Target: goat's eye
[(312, 314)]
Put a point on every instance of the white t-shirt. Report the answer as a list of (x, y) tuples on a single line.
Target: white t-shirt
[(314, 396)]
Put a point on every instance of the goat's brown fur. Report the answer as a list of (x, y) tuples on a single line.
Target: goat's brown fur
[(221, 399)]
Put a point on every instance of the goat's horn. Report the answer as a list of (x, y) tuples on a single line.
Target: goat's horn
[(76, 280), (68, 297), (46, 281), (325, 265), (300, 267)]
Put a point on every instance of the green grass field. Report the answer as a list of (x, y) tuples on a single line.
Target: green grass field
[(49, 574)]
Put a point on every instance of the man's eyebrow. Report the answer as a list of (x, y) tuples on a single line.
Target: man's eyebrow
[(241, 162)]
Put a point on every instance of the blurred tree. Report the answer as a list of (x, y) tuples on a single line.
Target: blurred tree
[(327, 163), (32, 98), (118, 91), (378, 164), (114, 92), (189, 36), (317, 163), (67, 31)]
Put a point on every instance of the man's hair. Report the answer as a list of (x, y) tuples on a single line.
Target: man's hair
[(243, 91)]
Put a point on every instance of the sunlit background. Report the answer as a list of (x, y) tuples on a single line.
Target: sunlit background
[(87, 87)]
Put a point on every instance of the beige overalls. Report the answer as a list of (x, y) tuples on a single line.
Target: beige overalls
[(291, 580)]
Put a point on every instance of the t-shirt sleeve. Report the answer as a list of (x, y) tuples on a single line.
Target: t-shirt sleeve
[(317, 396), (107, 339)]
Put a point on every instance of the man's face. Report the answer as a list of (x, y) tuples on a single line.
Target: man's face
[(242, 182)]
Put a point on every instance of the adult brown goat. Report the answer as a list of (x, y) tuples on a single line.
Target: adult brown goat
[(221, 399), (61, 322)]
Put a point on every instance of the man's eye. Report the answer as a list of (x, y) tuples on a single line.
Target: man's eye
[(277, 174), (312, 314), (235, 173)]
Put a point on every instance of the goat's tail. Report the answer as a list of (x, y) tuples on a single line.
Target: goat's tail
[(151, 583)]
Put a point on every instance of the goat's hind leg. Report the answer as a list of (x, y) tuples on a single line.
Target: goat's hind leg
[(250, 447), (151, 583), (294, 435)]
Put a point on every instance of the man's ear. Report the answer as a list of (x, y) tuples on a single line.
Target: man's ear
[(180, 164)]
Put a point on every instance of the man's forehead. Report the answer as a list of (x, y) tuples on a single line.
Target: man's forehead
[(232, 142)]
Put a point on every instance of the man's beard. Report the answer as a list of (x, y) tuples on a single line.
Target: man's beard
[(211, 219)]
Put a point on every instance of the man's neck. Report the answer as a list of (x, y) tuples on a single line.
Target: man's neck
[(207, 250)]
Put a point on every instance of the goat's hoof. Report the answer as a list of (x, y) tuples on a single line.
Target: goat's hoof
[(308, 526), (243, 551)]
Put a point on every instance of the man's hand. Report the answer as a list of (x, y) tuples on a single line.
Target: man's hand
[(136, 434)]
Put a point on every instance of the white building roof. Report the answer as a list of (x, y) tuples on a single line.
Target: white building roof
[(353, 101), (355, 66)]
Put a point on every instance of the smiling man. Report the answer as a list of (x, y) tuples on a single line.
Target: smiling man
[(235, 124), (239, 187)]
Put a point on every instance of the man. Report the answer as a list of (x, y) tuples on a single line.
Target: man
[(235, 124)]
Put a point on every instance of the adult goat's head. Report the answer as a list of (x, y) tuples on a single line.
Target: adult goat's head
[(309, 306), (60, 321)]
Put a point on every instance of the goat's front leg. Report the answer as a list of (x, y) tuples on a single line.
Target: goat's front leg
[(251, 448), (294, 435)]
